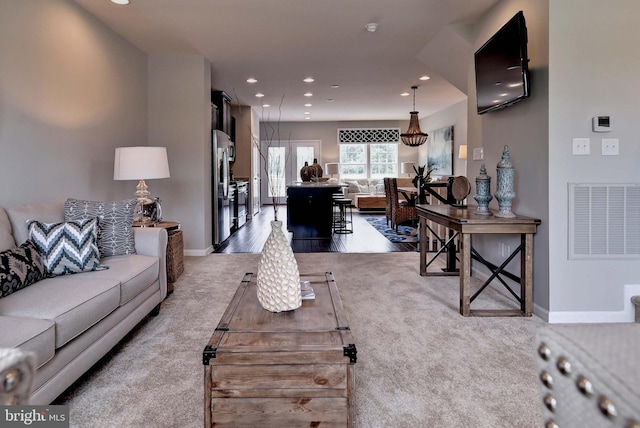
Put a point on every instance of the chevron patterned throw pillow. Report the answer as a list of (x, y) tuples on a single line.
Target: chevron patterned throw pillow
[(68, 247)]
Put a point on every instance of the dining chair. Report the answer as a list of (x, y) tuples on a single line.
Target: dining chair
[(400, 211), (388, 201)]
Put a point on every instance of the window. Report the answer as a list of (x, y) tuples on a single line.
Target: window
[(384, 160), (353, 160), (368, 160)]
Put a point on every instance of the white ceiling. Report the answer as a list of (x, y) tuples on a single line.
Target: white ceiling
[(279, 42)]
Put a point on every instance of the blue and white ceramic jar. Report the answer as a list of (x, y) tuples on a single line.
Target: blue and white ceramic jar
[(483, 192), (504, 186)]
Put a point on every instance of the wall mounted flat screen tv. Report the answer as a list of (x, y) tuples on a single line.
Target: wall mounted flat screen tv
[(502, 74)]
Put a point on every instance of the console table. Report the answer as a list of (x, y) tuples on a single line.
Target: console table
[(466, 223)]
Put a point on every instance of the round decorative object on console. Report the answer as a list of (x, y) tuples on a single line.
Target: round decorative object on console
[(460, 188)]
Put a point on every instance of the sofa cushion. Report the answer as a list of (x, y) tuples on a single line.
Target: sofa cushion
[(358, 186), (6, 238), (20, 267), (135, 274), (31, 335), (68, 247), (46, 212), (73, 302), (115, 229)]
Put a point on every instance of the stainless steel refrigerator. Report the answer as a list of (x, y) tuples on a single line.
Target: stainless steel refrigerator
[(220, 184)]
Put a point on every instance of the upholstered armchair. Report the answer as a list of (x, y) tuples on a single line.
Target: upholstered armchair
[(16, 375)]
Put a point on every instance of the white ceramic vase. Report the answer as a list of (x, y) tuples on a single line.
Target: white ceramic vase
[(278, 275)]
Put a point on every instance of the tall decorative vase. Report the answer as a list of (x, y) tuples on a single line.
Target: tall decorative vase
[(305, 172), (483, 192), (504, 185), (278, 275)]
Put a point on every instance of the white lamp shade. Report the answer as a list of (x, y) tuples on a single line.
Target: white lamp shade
[(406, 167), (332, 168), (462, 153), (140, 163)]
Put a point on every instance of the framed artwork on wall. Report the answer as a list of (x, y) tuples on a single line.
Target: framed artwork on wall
[(440, 151)]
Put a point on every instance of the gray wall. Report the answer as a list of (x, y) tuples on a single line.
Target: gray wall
[(594, 59), (523, 127), (455, 116), (180, 119), (71, 91)]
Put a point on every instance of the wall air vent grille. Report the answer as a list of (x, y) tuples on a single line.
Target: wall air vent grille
[(604, 221), (368, 135)]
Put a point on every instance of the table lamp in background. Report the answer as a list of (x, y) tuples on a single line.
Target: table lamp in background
[(141, 163), (462, 154), (332, 168), (407, 168)]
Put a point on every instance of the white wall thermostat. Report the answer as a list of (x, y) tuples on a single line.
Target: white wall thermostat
[(601, 124)]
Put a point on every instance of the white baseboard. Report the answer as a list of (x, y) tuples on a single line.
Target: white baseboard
[(625, 315), (199, 253)]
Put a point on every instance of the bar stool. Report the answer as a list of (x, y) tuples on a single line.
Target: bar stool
[(342, 216)]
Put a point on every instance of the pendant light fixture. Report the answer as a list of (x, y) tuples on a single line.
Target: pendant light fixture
[(414, 136)]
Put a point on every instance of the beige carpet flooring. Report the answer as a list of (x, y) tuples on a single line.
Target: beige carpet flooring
[(420, 364)]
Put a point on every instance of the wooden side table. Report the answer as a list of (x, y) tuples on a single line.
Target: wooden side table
[(175, 251)]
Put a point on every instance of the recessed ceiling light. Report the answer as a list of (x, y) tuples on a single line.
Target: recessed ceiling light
[(405, 94), (335, 86), (259, 95), (308, 94), (252, 80), (308, 80), (371, 27), (120, 1), (307, 112), (266, 105), (425, 78), (307, 118), (308, 105)]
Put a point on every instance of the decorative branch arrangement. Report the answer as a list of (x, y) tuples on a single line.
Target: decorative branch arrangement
[(273, 163)]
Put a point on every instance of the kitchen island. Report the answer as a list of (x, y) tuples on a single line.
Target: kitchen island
[(310, 209)]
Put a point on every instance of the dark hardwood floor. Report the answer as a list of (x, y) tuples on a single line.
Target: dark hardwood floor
[(365, 238)]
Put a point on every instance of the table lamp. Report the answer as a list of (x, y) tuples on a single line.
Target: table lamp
[(141, 163), (332, 168), (462, 154), (407, 168)]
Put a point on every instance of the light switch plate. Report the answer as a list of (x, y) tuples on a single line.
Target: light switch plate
[(581, 146), (610, 147), (478, 154)]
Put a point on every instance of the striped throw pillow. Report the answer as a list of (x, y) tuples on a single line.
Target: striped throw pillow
[(68, 247)]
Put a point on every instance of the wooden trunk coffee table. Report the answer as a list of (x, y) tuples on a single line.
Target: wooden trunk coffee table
[(285, 369)]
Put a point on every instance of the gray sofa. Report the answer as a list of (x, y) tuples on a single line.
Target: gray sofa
[(69, 322)]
